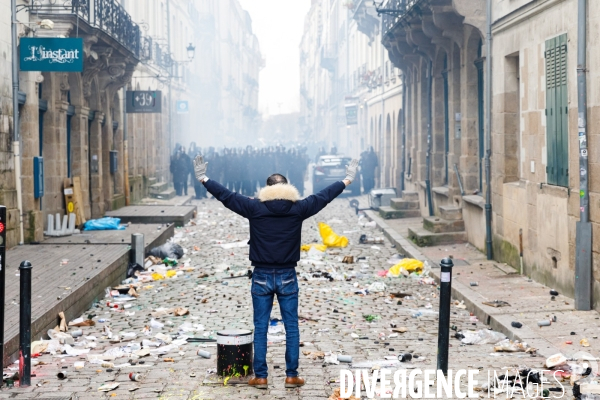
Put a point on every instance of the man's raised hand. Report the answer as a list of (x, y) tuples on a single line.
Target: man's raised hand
[(200, 168), (351, 170)]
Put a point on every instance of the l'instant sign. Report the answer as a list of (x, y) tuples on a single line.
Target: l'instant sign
[(52, 54)]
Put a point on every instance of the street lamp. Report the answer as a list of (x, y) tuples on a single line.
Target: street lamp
[(191, 51)]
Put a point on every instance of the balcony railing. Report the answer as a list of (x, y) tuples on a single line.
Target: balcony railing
[(106, 15), (394, 10)]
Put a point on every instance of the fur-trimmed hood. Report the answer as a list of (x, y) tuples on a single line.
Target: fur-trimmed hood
[(281, 191)]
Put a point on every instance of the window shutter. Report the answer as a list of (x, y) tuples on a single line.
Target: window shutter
[(562, 136), (550, 110), (557, 124)]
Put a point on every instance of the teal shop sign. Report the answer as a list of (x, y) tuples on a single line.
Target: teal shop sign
[(52, 54)]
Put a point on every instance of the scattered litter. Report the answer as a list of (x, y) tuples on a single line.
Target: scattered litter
[(330, 238), (516, 324), (103, 224), (496, 303), (407, 266), (483, 336), (508, 346), (167, 250), (107, 387)]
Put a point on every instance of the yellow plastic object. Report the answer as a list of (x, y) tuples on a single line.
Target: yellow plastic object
[(157, 277), (307, 247), (171, 273), (409, 265), (330, 238)]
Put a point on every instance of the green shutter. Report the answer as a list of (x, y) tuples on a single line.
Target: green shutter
[(562, 136), (556, 111)]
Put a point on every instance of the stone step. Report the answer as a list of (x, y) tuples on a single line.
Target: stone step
[(152, 181), (391, 213), (164, 195), (401, 204), (439, 225), (158, 188), (410, 196), (424, 238), (451, 213)]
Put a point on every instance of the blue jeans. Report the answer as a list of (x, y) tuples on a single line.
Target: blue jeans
[(265, 284)]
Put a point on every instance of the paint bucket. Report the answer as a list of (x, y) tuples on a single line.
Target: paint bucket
[(235, 352)]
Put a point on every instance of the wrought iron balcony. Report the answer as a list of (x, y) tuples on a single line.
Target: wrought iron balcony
[(106, 15), (394, 10)]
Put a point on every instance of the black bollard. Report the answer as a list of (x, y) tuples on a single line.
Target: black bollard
[(3, 223), (25, 325), (444, 325)]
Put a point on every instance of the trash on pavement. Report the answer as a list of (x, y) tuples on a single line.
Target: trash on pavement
[(553, 292), (348, 260), (107, 387), (203, 354), (331, 359), (135, 377), (133, 269), (496, 303), (544, 323), (79, 322), (407, 357), (330, 238), (584, 342), (344, 358), (314, 355), (377, 287), (508, 346), (370, 240), (482, 336), (516, 324), (407, 265), (63, 322), (370, 317), (318, 247), (103, 224), (400, 330), (378, 364), (167, 250), (62, 375), (337, 396)]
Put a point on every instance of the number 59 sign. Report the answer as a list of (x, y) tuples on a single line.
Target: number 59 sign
[(144, 101)]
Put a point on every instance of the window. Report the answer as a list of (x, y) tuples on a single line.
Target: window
[(557, 168)]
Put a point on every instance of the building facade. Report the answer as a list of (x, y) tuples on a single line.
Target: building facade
[(76, 122), (351, 94), (535, 141)]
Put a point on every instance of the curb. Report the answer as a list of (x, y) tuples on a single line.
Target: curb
[(495, 319)]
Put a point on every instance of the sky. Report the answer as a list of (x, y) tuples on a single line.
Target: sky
[(278, 25)]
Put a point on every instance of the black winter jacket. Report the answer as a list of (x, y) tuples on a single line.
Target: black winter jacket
[(275, 219)]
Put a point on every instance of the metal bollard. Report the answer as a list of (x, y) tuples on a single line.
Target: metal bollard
[(444, 320), (137, 248), (25, 325), (3, 223)]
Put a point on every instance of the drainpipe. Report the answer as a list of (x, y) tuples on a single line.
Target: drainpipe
[(170, 108), (429, 122), (125, 149), (488, 134), (403, 133), (383, 119), (583, 233), (16, 127)]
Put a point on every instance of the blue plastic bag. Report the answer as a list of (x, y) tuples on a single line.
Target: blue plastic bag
[(103, 224)]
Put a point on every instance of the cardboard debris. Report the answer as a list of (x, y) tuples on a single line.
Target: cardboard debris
[(62, 327), (314, 355)]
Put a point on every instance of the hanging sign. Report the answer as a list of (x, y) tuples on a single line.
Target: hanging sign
[(143, 101), (183, 107), (351, 114), (51, 54)]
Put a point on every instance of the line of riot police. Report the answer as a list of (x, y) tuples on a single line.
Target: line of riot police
[(242, 170)]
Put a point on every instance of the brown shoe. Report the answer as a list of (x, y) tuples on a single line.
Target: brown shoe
[(259, 383), (293, 382)]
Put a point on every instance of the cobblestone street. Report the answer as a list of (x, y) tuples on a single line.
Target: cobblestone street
[(341, 311)]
